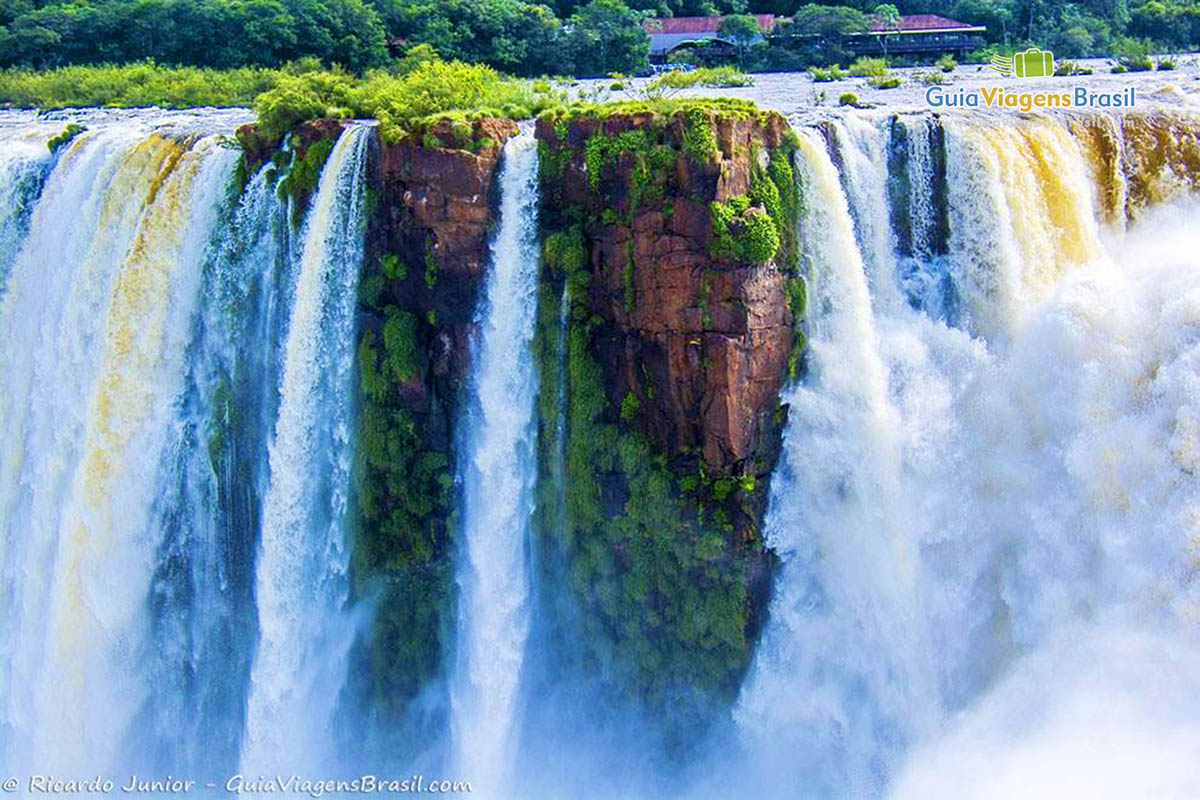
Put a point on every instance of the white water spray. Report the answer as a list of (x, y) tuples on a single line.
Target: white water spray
[(952, 503), (498, 475), (302, 584), (97, 313)]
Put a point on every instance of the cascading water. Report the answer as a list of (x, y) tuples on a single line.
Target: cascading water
[(498, 475), (986, 508), (844, 640), (24, 163), (955, 500), (209, 491), (302, 585), (97, 314)]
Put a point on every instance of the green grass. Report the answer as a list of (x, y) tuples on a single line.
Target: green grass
[(404, 100), (134, 85)]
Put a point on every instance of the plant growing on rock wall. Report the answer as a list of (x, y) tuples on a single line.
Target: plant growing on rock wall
[(658, 549)]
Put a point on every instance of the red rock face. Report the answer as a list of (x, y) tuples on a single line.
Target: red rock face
[(704, 344), (440, 196), (433, 217)]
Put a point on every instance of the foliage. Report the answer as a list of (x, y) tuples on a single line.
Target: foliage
[(741, 29), (866, 67), (403, 495), (603, 36), (630, 406), (204, 33), (1067, 67), (527, 38), (304, 173), (1133, 54), (884, 82), (849, 99), (665, 593), (402, 103), (826, 74), (716, 77), (517, 37), (647, 543), (134, 85), (797, 291), (63, 139), (946, 63), (822, 20)]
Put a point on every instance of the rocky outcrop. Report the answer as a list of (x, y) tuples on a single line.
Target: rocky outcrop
[(430, 210), (701, 340), (437, 198), (669, 232)]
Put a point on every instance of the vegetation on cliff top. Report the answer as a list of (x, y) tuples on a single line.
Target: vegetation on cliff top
[(404, 99), (659, 549)]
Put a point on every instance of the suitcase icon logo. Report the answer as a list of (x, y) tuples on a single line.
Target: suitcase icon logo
[(1033, 63)]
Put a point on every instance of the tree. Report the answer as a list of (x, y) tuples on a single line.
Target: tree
[(741, 29), (819, 20), (606, 36), (888, 16)]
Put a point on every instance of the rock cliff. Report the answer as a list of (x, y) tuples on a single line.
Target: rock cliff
[(669, 235)]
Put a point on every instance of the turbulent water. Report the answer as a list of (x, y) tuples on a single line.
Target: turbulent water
[(974, 509), (158, 328), (302, 584), (498, 477), (986, 510)]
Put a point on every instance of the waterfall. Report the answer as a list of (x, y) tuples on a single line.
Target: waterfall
[(986, 508), (96, 315), (965, 503), (302, 584), (24, 163), (208, 506), (499, 459), (844, 618)]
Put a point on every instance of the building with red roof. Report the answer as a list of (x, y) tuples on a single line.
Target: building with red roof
[(918, 34), (669, 33)]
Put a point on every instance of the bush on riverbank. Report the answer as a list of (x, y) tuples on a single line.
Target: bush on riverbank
[(134, 85), (401, 99)]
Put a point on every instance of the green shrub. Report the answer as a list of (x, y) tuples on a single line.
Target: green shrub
[(946, 63), (933, 78), (848, 99), (630, 406), (304, 173), (714, 77), (1133, 54), (1165, 64), (742, 233), (722, 77), (134, 85), (404, 103), (400, 341), (1066, 67), (884, 82), (63, 139), (826, 74), (866, 67)]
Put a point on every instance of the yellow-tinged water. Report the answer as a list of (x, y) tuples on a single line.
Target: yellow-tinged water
[(1038, 166), (163, 173)]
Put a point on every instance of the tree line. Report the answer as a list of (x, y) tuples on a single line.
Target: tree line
[(523, 38)]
